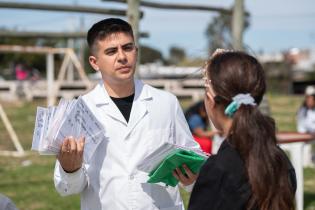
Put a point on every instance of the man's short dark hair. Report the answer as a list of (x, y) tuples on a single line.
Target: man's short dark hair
[(106, 27)]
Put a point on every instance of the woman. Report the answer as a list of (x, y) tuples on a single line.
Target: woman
[(250, 171)]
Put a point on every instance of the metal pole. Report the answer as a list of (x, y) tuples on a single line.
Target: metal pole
[(11, 131), (50, 79), (47, 35), (61, 7), (133, 15), (238, 24), (70, 73), (158, 5)]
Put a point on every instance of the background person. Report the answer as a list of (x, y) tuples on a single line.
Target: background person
[(306, 122), (198, 122)]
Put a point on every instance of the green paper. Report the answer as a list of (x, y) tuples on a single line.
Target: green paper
[(164, 171)]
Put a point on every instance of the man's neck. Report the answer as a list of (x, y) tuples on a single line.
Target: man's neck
[(120, 90)]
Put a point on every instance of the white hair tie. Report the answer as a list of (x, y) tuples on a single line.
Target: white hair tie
[(238, 100)]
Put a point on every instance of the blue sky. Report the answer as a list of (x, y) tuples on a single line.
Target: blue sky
[(275, 25)]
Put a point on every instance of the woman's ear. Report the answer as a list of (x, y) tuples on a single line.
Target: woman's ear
[(210, 99), (93, 62)]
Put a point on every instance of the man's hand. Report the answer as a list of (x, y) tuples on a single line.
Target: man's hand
[(71, 154), (187, 179)]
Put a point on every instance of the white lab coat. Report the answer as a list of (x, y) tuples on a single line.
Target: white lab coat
[(110, 179)]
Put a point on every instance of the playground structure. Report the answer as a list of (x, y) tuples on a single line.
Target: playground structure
[(190, 88), (19, 149), (52, 85)]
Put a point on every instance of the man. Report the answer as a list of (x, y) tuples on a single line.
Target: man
[(137, 119)]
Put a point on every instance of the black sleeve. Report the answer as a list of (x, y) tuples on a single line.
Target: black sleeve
[(208, 184)]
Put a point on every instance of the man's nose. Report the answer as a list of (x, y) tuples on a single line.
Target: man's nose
[(122, 56)]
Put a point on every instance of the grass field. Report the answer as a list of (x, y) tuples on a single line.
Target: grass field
[(28, 181)]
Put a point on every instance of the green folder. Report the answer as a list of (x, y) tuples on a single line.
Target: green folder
[(164, 171)]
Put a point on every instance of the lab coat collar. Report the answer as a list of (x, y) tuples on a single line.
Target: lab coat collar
[(102, 97), (139, 107), (142, 94)]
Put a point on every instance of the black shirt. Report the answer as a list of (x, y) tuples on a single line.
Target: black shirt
[(124, 105), (222, 182)]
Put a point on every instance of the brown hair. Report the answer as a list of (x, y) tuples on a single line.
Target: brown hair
[(252, 134), (106, 27)]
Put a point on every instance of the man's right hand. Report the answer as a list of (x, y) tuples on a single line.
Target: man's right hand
[(71, 154)]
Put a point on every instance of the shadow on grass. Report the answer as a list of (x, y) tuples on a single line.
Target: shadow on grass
[(309, 200)]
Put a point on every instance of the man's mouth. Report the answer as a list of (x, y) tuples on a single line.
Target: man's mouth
[(123, 68)]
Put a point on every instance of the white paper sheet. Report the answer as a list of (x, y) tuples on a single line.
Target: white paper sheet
[(69, 118), (155, 158)]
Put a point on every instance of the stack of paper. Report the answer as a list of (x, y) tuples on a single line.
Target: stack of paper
[(163, 161), (69, 118)]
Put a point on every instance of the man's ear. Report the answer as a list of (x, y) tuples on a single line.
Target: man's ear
[(93, 62)]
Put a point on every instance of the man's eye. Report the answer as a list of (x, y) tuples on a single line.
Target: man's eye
[(110, 52), (128, 48)]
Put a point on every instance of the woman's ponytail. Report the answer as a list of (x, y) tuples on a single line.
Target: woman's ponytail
[(253, 136)]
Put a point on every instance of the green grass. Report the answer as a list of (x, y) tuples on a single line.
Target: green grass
[(309, 188), (284, 109), (31, 187)]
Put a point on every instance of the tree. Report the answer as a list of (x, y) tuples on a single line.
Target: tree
[(149, 55), (177, 55), (37, 61), (219, 32)]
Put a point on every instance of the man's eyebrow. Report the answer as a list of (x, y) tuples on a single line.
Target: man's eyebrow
[(127, 44), (115, 48), (110, 48)]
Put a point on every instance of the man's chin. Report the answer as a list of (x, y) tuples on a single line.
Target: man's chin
[(126, 75), (125, 78)]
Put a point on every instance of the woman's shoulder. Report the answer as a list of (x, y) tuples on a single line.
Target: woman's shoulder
[(228, 163), (228, 158), (223, 180)]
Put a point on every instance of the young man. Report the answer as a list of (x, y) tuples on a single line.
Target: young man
[(137, 119)]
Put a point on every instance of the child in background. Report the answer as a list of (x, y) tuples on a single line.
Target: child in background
[(198, 122)]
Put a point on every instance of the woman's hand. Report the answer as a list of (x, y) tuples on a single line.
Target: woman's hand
[(185, 179)]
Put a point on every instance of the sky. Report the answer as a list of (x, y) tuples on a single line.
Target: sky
[(275, 25)]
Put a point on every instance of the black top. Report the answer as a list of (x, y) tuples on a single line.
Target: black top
[(124, 105), (222, 183)]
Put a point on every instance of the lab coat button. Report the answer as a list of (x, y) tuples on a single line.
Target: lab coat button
[(131, 177)]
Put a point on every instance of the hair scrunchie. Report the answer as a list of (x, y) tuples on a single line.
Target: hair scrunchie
[(238, 100)]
